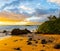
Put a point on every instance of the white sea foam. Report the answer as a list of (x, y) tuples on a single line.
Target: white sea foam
[(1, 38)]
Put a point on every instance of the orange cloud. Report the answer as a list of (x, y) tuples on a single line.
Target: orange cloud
[(7, 18), (12, 16)]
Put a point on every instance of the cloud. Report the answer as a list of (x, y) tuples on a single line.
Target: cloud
[(40, 18), (25, 8), (34, 9), (29, 6), (13, 3), (55, 1), (40, 12), (11, 16), (15, 10)]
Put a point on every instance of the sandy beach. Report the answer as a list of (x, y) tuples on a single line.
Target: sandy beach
[(20, 43)]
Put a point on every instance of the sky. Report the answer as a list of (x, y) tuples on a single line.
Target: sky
[(28, 10)]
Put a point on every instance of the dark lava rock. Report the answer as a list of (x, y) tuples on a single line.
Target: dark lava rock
[(38, 39), (57, 46), (43, 45), (36, 42), (21, 39), (5, 44), (15, 40), (30, 39), (43, 41), (29, 43), (17, 49), (50, 41), (42, 50)]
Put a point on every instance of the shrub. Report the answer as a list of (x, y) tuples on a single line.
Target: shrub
[(50, 27)]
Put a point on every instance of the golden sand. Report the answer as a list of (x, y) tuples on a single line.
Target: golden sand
[(8, 44)]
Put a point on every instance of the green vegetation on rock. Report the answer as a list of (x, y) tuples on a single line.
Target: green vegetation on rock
[(52, 26)]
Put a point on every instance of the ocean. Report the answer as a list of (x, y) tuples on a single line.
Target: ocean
[(10, 27)]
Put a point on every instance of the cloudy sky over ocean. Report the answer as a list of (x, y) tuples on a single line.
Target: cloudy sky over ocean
[(31, 10)]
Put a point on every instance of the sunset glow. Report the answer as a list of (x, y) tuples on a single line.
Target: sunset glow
[(22, 12)]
